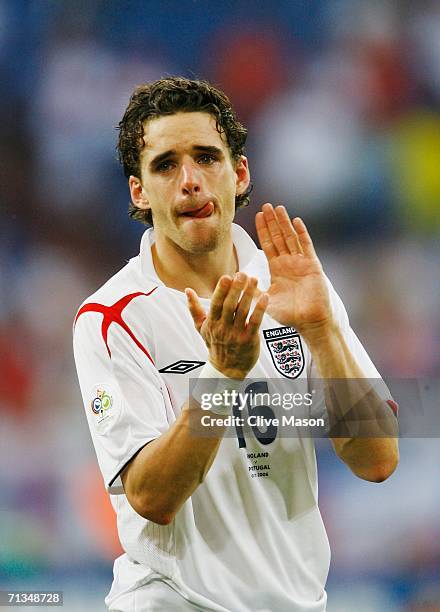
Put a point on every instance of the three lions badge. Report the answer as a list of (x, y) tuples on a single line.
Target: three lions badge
[(286, 350)]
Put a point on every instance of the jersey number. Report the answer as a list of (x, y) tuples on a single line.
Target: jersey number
[(261, 413)]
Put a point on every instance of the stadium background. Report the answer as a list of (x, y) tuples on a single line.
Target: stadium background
[(342, 102)]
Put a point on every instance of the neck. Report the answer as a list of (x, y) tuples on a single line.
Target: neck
[(179, 269)]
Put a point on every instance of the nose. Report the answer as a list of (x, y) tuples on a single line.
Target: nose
[(190, 179)]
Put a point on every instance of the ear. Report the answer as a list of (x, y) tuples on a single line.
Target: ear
[(243, 177), (138, 196)]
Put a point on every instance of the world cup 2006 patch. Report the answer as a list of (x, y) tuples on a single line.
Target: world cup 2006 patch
[(103, 405), (286, 350)]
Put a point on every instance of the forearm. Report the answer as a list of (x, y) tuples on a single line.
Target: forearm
[(363, 425), (168, 470)]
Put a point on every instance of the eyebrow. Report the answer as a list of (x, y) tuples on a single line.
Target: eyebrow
[(159, 158), (171, 152), (208, 149)]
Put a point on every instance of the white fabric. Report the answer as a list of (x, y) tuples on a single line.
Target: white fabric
[(154, 596), (213, 382), (243, 541)]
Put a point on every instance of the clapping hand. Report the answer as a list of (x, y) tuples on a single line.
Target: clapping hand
[(231, 327), (298, 293)]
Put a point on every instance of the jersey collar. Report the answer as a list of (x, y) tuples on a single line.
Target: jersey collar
[(244, 245)]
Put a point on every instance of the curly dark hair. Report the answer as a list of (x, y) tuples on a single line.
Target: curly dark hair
[(166, 97)]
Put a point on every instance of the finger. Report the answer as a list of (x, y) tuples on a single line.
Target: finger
[(264, 236), (274, 229), (257, 316), (218, 297), (195, 308), (304, 237), (242, 310), (287, 230), (231, 300)]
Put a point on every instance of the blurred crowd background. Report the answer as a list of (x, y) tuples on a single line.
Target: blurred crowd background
[(342, 102)]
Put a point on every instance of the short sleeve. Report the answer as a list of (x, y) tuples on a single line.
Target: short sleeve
[(125, 400)]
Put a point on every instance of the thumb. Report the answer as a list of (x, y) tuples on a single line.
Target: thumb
[(195, 308)]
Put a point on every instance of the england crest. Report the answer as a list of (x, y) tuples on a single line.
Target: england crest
[(286, 350)]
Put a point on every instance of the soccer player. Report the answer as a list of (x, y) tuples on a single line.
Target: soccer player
[(214, 522)]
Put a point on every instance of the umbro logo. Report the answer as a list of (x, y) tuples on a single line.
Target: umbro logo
[(182, 367)]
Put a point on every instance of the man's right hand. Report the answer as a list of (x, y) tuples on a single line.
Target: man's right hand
[(165, 472), (233, 341)]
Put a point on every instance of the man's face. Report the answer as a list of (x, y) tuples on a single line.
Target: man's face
[(188, 180)]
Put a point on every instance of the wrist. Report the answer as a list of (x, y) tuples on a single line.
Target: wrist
[(219, 372), (321, 333), (215, 391)]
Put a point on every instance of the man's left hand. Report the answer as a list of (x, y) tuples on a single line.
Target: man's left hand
[(298, 294)]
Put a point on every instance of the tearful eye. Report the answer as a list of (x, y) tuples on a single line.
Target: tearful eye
[(164, 166), (206, 158)]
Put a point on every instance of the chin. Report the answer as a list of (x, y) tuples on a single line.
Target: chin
[(201, 241), (202, 246)]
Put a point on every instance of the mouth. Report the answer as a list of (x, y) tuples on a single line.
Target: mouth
[(202, 212)]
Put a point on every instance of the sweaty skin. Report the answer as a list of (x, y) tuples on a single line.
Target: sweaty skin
[(189, 182)]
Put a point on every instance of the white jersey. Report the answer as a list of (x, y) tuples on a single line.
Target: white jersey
[(251, 537)]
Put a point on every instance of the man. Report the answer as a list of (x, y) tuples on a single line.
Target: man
[(199, 531)]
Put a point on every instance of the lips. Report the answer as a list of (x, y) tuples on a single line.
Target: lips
[(200, 213)]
